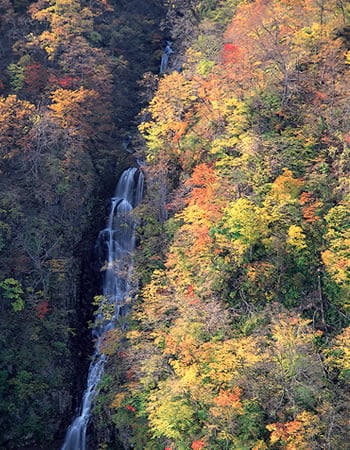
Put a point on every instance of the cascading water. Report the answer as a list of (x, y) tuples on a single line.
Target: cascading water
[(165, 57), (115, 244)]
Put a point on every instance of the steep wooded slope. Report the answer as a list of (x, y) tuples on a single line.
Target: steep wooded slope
[(239, 337)]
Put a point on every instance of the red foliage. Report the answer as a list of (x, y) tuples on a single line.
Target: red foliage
[(130, 408), (42, 309), (190, 291), (346, 137), (320, 97), (35, 77), (231, 53), (157, 38), (67, 82), (193, 299), (130, 374)]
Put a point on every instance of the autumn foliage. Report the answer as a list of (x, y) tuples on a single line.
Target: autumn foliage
[(238, 335), (250, 288)]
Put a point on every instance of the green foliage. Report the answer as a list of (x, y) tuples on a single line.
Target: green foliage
[(17, 75), (224, 11), (4, 232), (245, 224), (12, 291), (337, 254), (251, 423)]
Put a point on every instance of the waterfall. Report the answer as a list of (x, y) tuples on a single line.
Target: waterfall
[(115, 244), (165, 57)]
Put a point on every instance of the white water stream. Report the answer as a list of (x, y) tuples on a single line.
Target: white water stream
[(115, 243), (165, 58)]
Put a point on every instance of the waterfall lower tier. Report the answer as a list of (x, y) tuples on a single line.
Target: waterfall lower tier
[(115, 245)]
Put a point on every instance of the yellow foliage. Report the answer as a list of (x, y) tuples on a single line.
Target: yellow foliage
[(296, 237), (189, 374), (170, 111), (347, 57), (296, 434), (133, 335), (158, 298), (339, 354), (338, 265), (118, 400), (183, 339), (49, 43), (110, 341), (67, 20), (292, 345), (246, 223), (336, 257), (169, 414), (232, 357), (286, 188)]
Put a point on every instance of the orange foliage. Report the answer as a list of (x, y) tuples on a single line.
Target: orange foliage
[(203, 176), (193, 299), (320, 97), (296, 433), (181, 128), (201, 212), (311, 206), (16, 119), (229, 398), (118, 400), (198, 445), (75, 110), (203, 183)]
